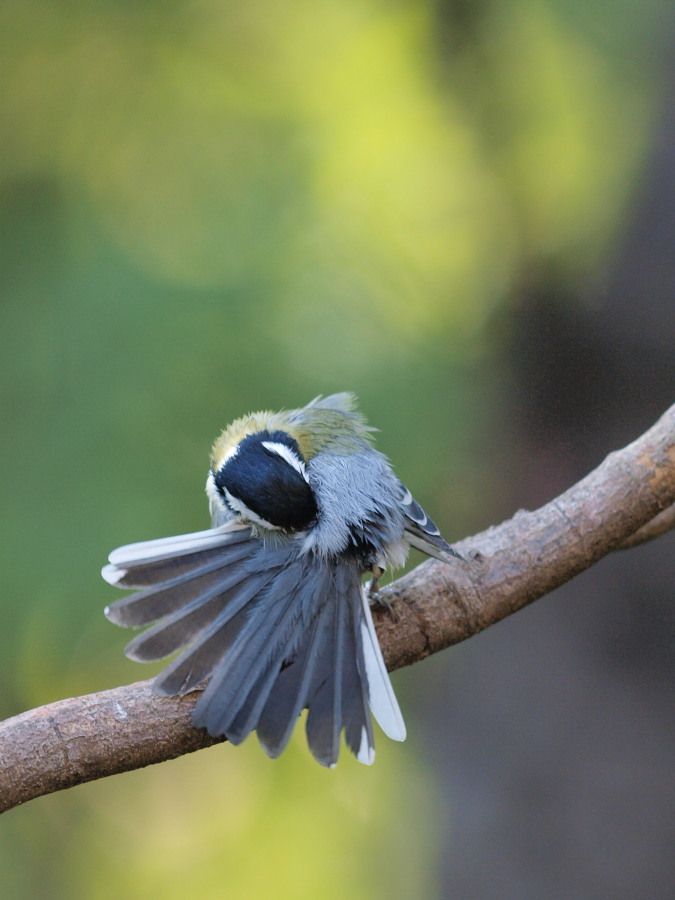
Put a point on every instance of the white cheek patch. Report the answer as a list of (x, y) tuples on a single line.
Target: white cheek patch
[(239, 506), (288, 456), (215, 499)]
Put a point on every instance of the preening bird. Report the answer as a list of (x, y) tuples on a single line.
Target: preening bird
[(269, 604)]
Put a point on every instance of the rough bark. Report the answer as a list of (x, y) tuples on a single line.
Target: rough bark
[(627, 500)]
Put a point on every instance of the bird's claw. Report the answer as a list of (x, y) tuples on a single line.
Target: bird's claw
[(380, 601)]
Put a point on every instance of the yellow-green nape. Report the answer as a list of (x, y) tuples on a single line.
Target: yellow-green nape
[(332, 424), (228, 439), (330, 430)]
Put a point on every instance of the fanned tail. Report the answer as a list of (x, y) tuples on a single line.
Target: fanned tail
[(275, 629)]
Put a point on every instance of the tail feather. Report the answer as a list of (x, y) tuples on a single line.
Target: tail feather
[(187, 623), (260, 646), (188, 672), (248, 716), (324, 720), (131, 555), (287, 654), (289, 694), (201, 658), (175, 595), (357, 721), (143, 567), (275, 629), (381, 697)]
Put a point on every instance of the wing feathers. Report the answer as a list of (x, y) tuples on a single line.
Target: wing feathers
[(420, 531), (444, 552)]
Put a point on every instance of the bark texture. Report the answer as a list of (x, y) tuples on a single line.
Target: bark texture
[(627, 500)]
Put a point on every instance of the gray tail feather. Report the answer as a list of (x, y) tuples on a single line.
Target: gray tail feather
[(339, 699), (201, 618), (172, 595), (357, 720), (276, 630), (228, 617), (158, 562), (299, 648)]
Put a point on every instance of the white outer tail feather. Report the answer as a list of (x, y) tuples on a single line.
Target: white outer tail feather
[(383, 703), (165, 548)]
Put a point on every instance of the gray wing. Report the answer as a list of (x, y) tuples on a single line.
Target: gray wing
[(421, 532)]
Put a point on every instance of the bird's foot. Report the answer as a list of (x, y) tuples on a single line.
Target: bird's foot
[(378, 600)]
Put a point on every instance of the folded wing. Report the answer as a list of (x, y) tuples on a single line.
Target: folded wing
[(421, 532)]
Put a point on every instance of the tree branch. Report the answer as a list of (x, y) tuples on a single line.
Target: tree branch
[(628, 499), (661, 523)]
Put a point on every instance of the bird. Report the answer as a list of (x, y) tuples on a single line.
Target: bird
[(268, 607)]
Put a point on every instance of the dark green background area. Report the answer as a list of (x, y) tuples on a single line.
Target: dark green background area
[(209, 208)]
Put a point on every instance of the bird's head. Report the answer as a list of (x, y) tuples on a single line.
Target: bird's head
[(258, 471), (261, 463)]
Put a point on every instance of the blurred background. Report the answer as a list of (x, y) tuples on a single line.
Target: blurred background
[(462, 210)]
